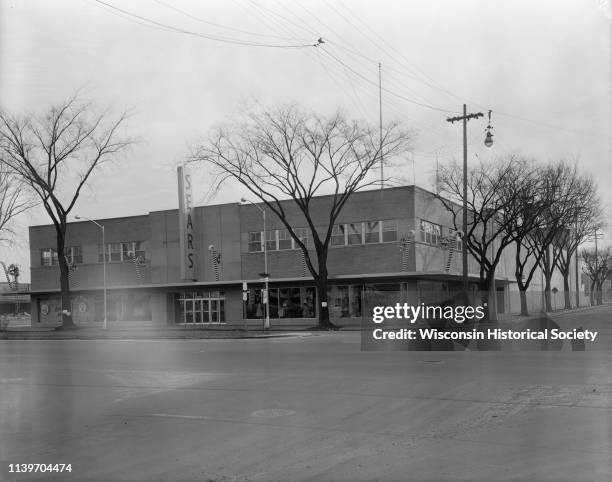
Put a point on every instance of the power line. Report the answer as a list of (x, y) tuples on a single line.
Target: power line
[(125, 17), (425, 104), (395, 94), (187, 14), (144, 21), (357, 101), (201, 35), (433, 84), (550, 126)]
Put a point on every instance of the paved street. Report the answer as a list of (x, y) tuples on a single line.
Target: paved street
[(304, 408)]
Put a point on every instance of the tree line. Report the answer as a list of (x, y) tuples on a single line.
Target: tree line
[(544, 211)]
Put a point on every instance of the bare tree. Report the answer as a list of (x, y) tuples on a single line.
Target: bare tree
[(288, 153), (55, 153), (530, 223), (495, 195), (584, 220), (597, 265), (13, 202), (553, 205)]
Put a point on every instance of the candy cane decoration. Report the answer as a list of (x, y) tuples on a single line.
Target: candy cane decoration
[(72, 267), (215, 258), (12, 270), (139, 263), (304, 267), (405, 243), (450, 245)]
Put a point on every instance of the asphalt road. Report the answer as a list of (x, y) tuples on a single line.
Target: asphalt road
[(305, 408)]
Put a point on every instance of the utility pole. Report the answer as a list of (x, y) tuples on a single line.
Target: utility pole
[(382, 182), (597, 294), (576, 256), (465, 117)]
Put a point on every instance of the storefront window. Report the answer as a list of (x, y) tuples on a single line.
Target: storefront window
[(290, 302), (355, 298), (273, 300), (308, 302), (341, 302), (345, 300), (254, 306)]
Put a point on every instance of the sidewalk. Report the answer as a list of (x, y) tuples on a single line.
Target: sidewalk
[(125, 333), (49, 332)]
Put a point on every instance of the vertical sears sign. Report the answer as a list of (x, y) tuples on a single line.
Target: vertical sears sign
[(186, 232)]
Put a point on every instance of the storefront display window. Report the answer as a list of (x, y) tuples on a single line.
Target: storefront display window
[(291, 302)]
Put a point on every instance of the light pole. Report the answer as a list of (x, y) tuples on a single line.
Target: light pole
[(266, 275), (464, 251), (101, 226)]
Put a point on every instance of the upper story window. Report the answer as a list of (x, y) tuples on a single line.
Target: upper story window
[(354, 233), (430, 232), (284, 239), (271, 240), (255, 242), (124, 251), (389, 231), (277, 239), (303, 234), (74, 254), (48, 257), (366, 232), (458, 240), (372, 232), (338, 237)]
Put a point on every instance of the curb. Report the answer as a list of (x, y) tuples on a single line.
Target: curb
[(136, 335)]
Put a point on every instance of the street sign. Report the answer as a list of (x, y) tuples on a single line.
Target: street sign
[(244, 286)]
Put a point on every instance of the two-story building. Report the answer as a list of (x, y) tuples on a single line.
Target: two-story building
[(395, 243)]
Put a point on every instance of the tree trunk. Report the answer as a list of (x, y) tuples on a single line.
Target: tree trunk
[(547, 276), (485, 286), (324, 322), (67, 322), (547, 297), (592, 294), (524, 307), (599, 294), (566, 289)]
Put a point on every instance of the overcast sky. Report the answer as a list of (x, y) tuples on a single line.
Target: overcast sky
[(542, 67)]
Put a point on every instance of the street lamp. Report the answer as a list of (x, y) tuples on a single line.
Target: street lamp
[(489, 137), (101, 226), (265, 273)]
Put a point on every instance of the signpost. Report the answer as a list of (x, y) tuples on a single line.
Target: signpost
[(186, 231)]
